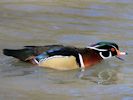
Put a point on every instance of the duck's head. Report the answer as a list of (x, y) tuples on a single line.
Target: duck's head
[(107, 50)]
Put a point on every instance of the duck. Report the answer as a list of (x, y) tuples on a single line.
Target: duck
[(62, 57)]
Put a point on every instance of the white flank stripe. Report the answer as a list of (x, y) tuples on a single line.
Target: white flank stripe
[(81, 61), (36, 61)]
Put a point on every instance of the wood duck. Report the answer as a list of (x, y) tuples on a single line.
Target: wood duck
[(65, 57)]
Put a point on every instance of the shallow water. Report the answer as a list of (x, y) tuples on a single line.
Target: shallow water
[(68, 22)]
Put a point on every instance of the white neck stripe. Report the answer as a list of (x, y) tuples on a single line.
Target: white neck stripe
[(81, 61)]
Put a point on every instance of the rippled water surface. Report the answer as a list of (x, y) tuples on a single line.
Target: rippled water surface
[(68, 22)]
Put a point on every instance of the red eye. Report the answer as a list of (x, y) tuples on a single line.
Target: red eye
[(112, 49)]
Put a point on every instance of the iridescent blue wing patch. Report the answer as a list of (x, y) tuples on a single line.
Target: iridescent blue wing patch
[(46, 54)]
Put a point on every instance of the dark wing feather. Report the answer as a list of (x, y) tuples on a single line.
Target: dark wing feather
[(21, 54), (29, 52)]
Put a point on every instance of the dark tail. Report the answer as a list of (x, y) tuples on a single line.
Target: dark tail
[(21, 54), (8, 52)]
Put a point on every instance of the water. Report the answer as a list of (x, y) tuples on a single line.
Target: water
[(68, 22)]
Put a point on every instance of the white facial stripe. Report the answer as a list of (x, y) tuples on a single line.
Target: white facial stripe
[(110, 55), (81, 61), (96, 48), (114, 47)]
